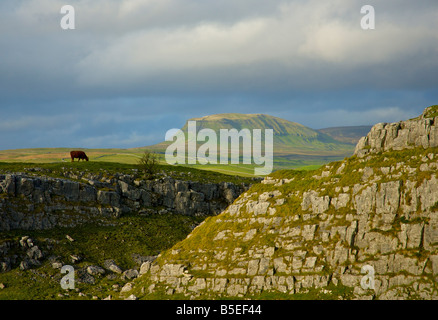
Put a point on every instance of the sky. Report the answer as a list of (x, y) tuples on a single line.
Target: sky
[(133, 69)]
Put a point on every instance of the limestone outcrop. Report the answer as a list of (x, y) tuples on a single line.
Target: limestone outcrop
[(361, 228), (419, 132), (31, 202)]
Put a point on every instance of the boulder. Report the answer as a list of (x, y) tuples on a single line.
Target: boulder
[(95, 270), (112, 266), (130, 274)]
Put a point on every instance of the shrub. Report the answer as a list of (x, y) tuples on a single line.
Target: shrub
[(148, 163)]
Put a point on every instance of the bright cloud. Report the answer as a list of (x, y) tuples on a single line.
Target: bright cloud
[(134, 67)]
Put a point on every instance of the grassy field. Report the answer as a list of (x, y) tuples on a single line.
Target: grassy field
[(47, 155), (131, 157), (107, 169), (294, 145)]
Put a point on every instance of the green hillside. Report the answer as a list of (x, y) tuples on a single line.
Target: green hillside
[(290, 238), (289, 137), (295, 145)]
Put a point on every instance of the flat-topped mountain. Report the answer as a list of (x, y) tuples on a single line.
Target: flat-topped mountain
[(361, 228), (289, 137), (294, 145)]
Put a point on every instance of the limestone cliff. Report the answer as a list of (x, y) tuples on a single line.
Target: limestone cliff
[(419, 132), (32, 202), (315, 234)]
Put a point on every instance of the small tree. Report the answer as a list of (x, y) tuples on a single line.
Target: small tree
[(148, 163)]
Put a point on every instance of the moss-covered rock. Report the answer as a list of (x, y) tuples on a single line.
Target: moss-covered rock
[(315, 234)]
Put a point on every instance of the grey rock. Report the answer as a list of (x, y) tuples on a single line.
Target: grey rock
[(145, 267), (434, 261), (112, 266), (75, 258), (127, 287), (139, 259), (411, 235), (430, 238), (253, 266), (419, 132), (340, 201), (108, 198), (85, 277), (25, 265), (130, 274), (264, 265), (5, 266), (309, 232), (311, 199), (34, 253), (257, 207), (200, 284), (172, 270), (88, 199), (26, 242), (367, 173), (95, 270)]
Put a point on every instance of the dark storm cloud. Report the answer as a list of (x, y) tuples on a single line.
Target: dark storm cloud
[(133, 69)]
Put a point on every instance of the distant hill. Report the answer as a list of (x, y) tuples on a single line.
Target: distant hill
[(350, 134), (290, 138), (295, 146)]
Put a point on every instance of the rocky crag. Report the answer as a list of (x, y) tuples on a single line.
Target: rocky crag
[(32, 202), (362, 228), (419, 132), (37, 201)]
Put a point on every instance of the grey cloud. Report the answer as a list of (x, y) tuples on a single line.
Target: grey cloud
[(301, 43), (214, 54), (133, 69)]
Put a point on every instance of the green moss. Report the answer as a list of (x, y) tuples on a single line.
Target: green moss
[(431, 112), (129, 235), (434, 207)]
